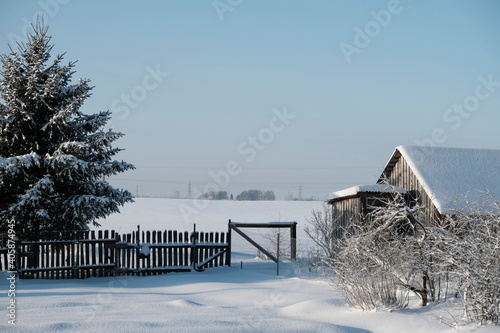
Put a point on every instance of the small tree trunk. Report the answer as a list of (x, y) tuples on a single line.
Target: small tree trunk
[(422, 294)]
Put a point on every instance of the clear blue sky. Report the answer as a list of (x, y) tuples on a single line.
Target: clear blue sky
[(351, 80)]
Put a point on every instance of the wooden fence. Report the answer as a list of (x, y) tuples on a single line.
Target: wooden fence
[(107, 253)]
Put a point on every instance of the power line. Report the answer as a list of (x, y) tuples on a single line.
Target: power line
[(250, 168), (234, 183)]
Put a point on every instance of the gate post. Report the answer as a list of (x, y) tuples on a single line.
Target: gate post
[(293, 241), (278, 255)]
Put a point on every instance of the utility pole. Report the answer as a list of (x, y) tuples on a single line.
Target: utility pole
[(189, 191), (300, 192)]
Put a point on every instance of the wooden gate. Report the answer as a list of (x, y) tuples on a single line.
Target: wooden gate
[(237, 226)]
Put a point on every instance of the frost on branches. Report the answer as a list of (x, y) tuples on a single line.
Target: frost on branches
[(53, 158), (384, 256)]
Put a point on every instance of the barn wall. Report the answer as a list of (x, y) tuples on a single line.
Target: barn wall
[(344, 211), (403, 176)]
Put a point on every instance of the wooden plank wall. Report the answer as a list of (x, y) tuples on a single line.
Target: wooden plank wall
[(403, 176), (345, 211)]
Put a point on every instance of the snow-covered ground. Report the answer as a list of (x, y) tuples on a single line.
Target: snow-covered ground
[(225, 299)]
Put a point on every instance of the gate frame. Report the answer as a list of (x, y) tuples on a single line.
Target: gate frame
[(269, 225)]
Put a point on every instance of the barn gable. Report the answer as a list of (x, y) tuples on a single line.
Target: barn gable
[(444, 180)]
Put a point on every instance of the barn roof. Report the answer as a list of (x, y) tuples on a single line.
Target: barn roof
[(452, 177), (372, 188)]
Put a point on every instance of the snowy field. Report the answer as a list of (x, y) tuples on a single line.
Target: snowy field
[(251, 298), (209, 215)]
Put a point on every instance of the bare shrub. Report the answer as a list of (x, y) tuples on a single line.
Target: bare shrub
[(271, 238), (322, 230)]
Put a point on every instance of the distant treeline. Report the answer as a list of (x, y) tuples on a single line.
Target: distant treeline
[(215, 195), (256, 195), (245, 195)]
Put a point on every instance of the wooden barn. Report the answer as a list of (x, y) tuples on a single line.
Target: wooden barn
[(445, 181), (358, 202)]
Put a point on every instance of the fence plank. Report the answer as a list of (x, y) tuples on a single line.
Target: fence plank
[(53, 258), (211, 250), (118, 253), (222, 239), (168, 250), (111, 253), (129, 261), (216, 240), (199, 250), (148, 258), (87, 258), (176, 250), (100, 253), (182, 251), (186, 250), (71, 257), (159, 250), (154, 251), (92, 254)]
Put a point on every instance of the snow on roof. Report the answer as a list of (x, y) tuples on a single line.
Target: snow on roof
[(373, 188), (453, 177)]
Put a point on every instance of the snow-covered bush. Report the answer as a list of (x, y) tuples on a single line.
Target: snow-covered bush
[(53, 157), (474, 251), (384, 256)]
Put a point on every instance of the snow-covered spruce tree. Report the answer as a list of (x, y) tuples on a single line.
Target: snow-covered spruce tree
[(53, 158)]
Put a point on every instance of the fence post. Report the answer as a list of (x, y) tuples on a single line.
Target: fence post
[(194, 249), (137, 252), (228, 251)]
